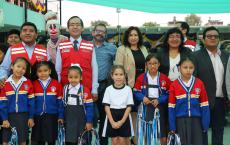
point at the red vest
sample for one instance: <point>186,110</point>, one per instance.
<point>39,53</point>
<point>190,44</point>
<point>83,57</point>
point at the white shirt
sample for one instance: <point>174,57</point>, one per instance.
<point>73,90</point>
<point>118,98</point>
<point>218,70</point>
<point>45,82</point>
<point>188,83</point>
<point>22,79</point>
<point>153,92</point>
<point>173,68</point>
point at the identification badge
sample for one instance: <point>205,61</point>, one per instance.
<point>66,50</point>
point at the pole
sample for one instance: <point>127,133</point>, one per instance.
<point>25,10</point>
<point>118,26</point>
<point>46,5</point>
<point>60,13</point>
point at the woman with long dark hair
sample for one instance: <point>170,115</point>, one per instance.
<point>132,56</point>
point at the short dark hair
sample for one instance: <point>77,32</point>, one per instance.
<point>38,64</point>
<point>3,47</point>
<point>82,24</point>
<point>150,56</point>
<point>126,36</point>
<point>100,24</point>
<point>210,29</point>
<point>29,24</point>
<point>184,25</point>
<point>171,31</point>
<point>13,31</point>
<point>187,58</point>
<point>28,67</point>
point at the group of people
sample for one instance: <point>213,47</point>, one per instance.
<point>75,82</point>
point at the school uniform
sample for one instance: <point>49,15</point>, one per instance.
<point>78,104</point>
<point>156,88</point>
<point>17,106</point>
<point>189,113</point>
<point>49,108</point>
<point>118,99</point>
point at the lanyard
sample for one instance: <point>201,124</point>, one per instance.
<point>148,130</point>
<point>61,134</point>
<point>14,137</point>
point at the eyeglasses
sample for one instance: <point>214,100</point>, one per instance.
<point>174,36</point>
<point>99,31</point>
<point>75,24</point>
<point>212,36</point>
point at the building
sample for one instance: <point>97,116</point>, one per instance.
<point>13,14</point>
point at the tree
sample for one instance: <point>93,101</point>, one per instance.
<point>93,23</point>
<point>193,20</point>
<point>150,24</point>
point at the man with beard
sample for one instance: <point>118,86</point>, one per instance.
<point>105,54</point>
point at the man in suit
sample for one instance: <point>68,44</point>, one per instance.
<point>211,65</point>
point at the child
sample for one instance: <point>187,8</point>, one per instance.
<point>152,89</point>
<point>3,49</point>
<point>188,105</point>
<point>49,109</point>
<point>78,106</point>
<point>17,102</point>
<point>118,100</point>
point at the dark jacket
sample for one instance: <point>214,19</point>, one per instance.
<point>204,70</point>
<point>163,56</point>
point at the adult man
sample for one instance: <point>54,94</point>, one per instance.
<point>227,80</point>
<point>27,48</point>
<point>77,51</point>
<point>210,67</point>
<point>105,54</point>
<point>13,37</point>
<point>184,27</point>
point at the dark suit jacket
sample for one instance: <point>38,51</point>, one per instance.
<point>204,70</point>
<point>164,59</point>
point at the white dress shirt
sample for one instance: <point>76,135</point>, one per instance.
<point>218,70</point>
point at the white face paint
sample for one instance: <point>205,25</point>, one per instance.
<point>53,28</point>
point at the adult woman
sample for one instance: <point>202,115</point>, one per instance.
<point>170,54</point>
<point>132,56</point>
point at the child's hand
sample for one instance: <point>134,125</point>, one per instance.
<point>155,103</point>
<point>2,83</point>
<point>30,123</point>
<point>88,126</point>
<point>146,101</point>
<point>115,125</point>
<point>60,121</point>
<point>95,97</point>
<point>120,123</point>
<point>5,124</point>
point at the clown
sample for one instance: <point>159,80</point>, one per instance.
<point>53,29</point>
